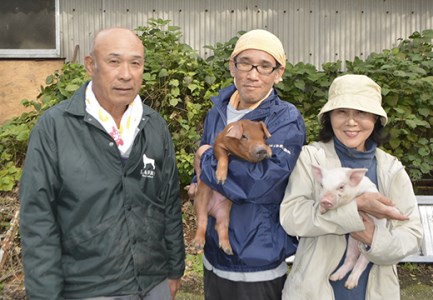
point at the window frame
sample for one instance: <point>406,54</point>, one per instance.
<point>38,53</point>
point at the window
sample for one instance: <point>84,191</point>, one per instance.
<point>29,28</point>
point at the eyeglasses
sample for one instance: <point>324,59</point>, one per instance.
<point>246,67</point>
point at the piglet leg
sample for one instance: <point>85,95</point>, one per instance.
<point>352,255</point>
<point>360,266</point>
<point>220,208</point>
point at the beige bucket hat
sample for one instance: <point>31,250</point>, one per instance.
<point>260,39</point>
<point>355,92</point>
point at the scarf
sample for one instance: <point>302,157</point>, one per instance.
<point>125,135</point>
<point>352,158</point>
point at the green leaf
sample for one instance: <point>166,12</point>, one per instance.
<point>163,73</point>
<point>174,82</point>
<point>300,84</point>
<point>175,92</point>
<point>424,111</point>
<point>174,101</point>
<point>426,168</point>
<point>49,80</point>
<point>72,87</point>
<point>192,87</point>
<point>424,151</point>
<point>394,143</point>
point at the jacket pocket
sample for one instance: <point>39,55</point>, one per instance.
<point>84,242</point>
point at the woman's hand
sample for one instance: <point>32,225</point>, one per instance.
<point>365,236</point>
<point>379,206</point>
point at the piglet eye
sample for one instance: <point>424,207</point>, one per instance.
<point>341,187</point>
<point>244,137</point>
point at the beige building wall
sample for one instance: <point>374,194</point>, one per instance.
<point>22,79</point>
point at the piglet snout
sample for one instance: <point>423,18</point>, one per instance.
<point>326,204</point>
<point>262,152</point>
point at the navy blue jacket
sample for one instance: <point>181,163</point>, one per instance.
<point>256,189</point>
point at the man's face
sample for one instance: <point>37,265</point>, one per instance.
<point>253,86</point>
<point>116,68</point>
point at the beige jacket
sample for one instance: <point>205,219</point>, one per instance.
<point>322,236</point>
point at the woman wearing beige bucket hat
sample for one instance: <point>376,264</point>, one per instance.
<point>352,129</point>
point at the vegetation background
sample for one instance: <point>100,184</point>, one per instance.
<point>179,84</point>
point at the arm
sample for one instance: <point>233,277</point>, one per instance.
<point>173,214</point>
<point>379,206</point>
<point>173,285</point>
<point>40,235</point>
<point>398,239</point>
<point>265,181</point>
<point>299,213</point>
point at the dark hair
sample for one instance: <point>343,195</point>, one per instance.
<point>327,133</point>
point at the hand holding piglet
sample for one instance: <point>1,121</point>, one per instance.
<point>379,206</point>
<point>365,236</point>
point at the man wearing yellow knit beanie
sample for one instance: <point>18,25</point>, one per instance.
<point>256,269</point>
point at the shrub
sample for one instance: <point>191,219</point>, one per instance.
<point>178,83</point>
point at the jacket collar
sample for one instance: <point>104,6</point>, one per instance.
<point>77,104</point>
<point>222,100</point>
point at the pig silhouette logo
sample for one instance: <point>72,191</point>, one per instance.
<point>148,161</point>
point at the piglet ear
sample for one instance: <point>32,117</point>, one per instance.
<point>317,172</point>
<point>265,130</point>
<point>355,176</point>
<point>235,131</point>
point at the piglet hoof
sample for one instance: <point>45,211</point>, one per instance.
<point>351,283</point>
<point>335,277</point>
<point>198,244</point>
<point>227,249</point>
<point>221,177</point>
<point>220,181</point>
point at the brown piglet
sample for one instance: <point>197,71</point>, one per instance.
<point>245,139</point>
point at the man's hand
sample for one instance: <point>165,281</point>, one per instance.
<point>379,206</point>
<point>365,236</point>
<point>174,285</point>
<point>191,189</point>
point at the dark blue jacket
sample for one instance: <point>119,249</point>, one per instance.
<point>257,238</point>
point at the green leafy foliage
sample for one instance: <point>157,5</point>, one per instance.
<point>178,83</point>
<point>307,89</point>
<point>405,74</point>
<point>15,133</point>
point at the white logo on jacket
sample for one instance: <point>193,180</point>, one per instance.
<point>147,160</point>
<point>148,167</point>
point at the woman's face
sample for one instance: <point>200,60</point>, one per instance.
<point>352,127</point>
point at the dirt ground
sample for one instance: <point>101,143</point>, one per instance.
<point>416,279</point>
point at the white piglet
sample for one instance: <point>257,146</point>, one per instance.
<point>339,186</point>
